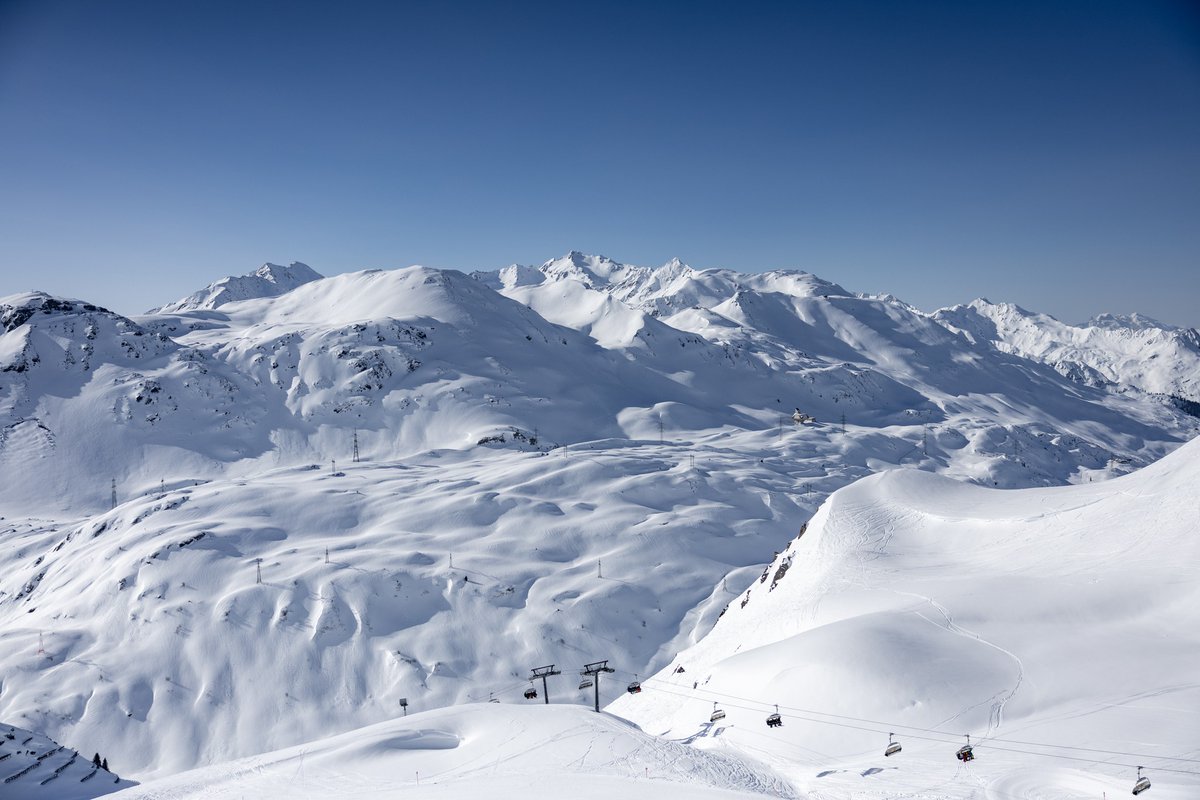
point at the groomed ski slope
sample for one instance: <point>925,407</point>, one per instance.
<point>1059,627</point>
<point>486,750</point>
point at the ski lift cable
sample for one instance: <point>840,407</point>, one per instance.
<point>990,744</point>
<point>894,725</point>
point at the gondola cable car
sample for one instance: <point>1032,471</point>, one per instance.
<point>892,747</point>
<point>965,753</point>
<point>775,721</point>
<point>634,687</point>
<point>717,714</point>
<point>1142,783</point>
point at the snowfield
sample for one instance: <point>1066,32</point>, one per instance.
<point>588,460</point>
<point>481,751</point>
<point>1058,627</point>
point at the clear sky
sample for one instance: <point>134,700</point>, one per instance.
<point>1045,153</point>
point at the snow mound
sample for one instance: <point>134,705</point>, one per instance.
<point>481,751</point>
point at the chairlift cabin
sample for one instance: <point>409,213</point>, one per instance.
<point>634,687</point>
<point>892,747</point>
<point>1142,783</point>
<point>965,753</point>
<point>775,721</point>
<point>531,693</point>
<point>717,714</point>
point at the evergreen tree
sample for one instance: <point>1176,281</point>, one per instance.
<point>104,765</point>
<point>96,760</point>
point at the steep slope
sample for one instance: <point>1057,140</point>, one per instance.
<point>269,280</point>
<point>34,767</point>
<point>1133,352</point>
<point>1058,627</point>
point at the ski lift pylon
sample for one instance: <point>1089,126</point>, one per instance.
<point>965,753</point>
<point>717,714</point>
<point>1142,783</point>
<point>775,721</point>
<point>892,747</point>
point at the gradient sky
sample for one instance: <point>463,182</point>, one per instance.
<point>1045,153</point>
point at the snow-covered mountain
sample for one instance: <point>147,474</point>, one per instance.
<point>1124,352</point>
<point>556,465</point>
<point>1058,627</point>
<point>269,280</point>
<point>421,359</point>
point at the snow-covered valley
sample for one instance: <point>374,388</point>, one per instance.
<point>587,461</point>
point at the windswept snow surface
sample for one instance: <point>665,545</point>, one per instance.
<point>442,581</point>
<point>486,750</point>
<point>1058,627</point>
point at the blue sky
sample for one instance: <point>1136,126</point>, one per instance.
<point>1045,153</point>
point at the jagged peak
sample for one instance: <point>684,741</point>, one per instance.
<point>295,271</point>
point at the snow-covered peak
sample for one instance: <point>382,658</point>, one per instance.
<point>1134,321</point>
<point>269,280</point>
<point>1130,352</point>
<point>410,293</point>
<point>511,277</point>
<point>592,271</point>
<point>68,336</point>
<point>17,309</point>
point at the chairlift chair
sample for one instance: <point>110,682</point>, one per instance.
<point>965,753</point>
<point>892,747</point>
<point>775,721</point>
<point>531,693</point>
<point>586,683</point>
<point>1142,783</point>
<point>634,688</point>
<point>717,714</point>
